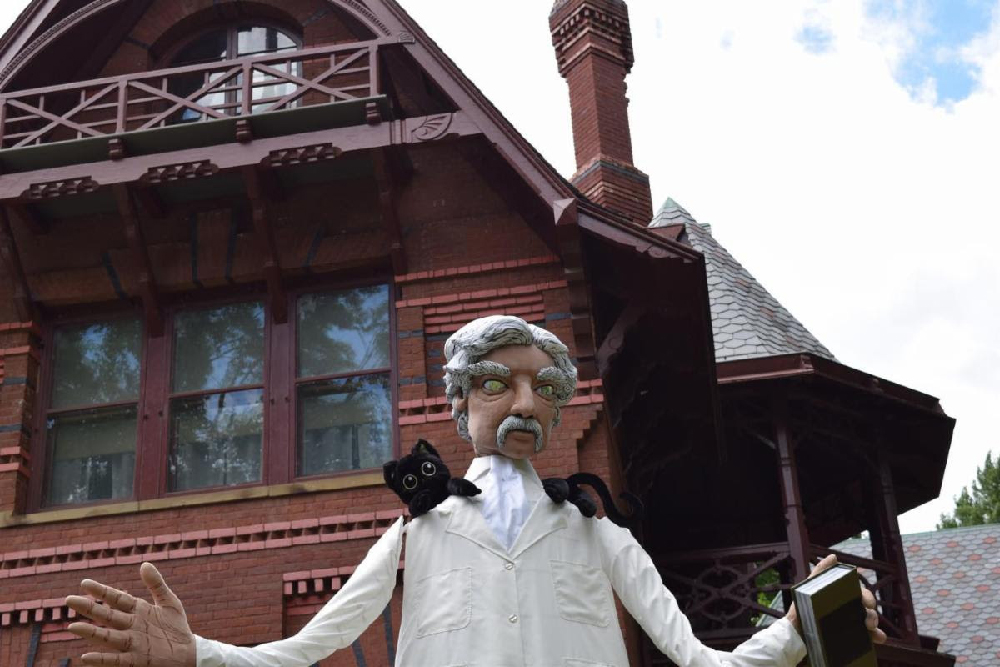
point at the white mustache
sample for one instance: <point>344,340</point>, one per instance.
<point>515,423</point>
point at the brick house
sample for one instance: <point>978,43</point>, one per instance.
<point>233,239</point>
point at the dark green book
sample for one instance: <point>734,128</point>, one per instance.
<point>832,618</point>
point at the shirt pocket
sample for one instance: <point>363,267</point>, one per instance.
<point>576,662</point>
<point>583,594</point>
<point>444,601</point>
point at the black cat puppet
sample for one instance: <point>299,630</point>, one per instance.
<point>561,490</point>
<point>422,480</point>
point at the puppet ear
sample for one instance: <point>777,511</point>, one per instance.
<point>389,472</point>
<point>424,447</point>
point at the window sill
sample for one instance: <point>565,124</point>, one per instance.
<point>374,478</point>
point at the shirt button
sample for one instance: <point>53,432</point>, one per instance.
<point>508,566</point>
<point>512,618</point>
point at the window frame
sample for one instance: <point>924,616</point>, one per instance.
<point>232,29</point>
<point>280,393</point>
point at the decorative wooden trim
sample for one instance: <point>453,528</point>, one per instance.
<point>290,157</point>
<point>345,139</point>
<point>178,172</point>
<point>11,261</point>
<point>140,254</point>
<point>385,178</point>
<point>483,295</point>
<point>39,44</point>
<point>265,237</point>
<point>63,188</point>
<point>432,128</point>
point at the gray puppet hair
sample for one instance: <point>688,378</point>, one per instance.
<point>478,338</point>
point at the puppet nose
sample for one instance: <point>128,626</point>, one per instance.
<point>524,401</point>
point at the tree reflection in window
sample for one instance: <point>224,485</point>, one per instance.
<point>91,421</point>
<point>217,411</point>
<point>344,399</point>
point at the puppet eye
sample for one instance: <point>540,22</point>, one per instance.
<point>410,482</point>
<point>492,386</point>
<point>546,390</point>
<point>428,469</point>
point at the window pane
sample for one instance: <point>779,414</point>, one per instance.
<point>343,332</point>
<point>207,48</point>
<point>93,456</point>
<point>216,440</point>
<point>259,40</point>
<point>344,425</point>
<point>219,348</point>
<point>97,363</point>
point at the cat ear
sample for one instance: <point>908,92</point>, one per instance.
<point>424,447</point>
<point>389,472</point>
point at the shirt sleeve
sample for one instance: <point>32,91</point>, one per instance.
<point>638,584</point>
<point>335,626</point>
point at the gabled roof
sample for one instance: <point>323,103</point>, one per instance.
<point>747,322</point>
<point>955,579</point>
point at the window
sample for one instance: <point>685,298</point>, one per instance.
<point>217,397</point>
<point>213,380</point>
<point>229,43</point>
<point>343,381</point>
<point>91,422</point>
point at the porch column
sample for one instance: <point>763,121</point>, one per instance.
<point>795,521</point>
<point>887,546</point>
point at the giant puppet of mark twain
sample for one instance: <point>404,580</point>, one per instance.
<point>504,579</point>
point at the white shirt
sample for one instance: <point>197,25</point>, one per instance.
<point>543,602</point>
<point>504,502</point>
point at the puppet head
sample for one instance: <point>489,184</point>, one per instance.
<point>506,378</point>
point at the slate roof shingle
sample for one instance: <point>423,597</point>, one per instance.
<point>955,581</point>
<point>747,322</point>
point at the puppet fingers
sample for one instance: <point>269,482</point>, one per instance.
<point>867,597</point>
<point>162,595</point>
<point>101,613</point>
<point>112,660</point>
<point>823,565</point>
<point>120,600</point>
<point>116,639</point>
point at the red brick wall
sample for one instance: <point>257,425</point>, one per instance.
<point>468,255</point>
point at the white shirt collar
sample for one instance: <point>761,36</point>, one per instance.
<point>481,466</point>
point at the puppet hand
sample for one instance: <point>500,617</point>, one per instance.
<point>867,599</point>
<point>139,634</point>
<point>458,486</point>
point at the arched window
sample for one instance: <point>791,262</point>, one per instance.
<point>229,43</point>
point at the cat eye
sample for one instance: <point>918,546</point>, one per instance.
<point>410,482</point>
<point>428,469</point>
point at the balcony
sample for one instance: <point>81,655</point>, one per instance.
<point>190,107</point>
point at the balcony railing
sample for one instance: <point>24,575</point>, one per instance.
<point>182,95</point>
<point>724,592</point>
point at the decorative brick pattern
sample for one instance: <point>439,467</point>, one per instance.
<point>448,313</point>
<point>193,544</point>
<point>477,269</point>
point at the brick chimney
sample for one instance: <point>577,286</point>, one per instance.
<point>593,42</point>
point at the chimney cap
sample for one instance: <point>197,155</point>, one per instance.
<point>559,4</point>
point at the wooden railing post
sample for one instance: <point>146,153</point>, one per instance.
<point>887,545</point>
<point>795,521</point>
<point>122,109</point>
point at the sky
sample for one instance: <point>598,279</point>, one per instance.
<point>846,152</point>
